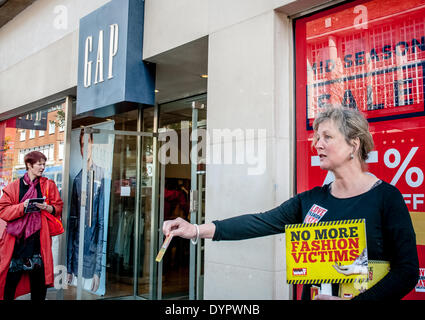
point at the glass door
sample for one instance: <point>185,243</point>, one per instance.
<point>114,199</point>
<point>181,153</point>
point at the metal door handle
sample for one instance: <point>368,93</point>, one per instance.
<point>193,201</point>
<point>91,198</point>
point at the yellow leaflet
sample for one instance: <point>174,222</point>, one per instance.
<point>163,248</point>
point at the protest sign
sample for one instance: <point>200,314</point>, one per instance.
<point>326,252</point>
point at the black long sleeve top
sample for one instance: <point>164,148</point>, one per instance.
<point>389,231</point>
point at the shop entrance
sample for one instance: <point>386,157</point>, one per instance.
<point>126,191</point>
<point>181,154</point>
<point>112,193</point>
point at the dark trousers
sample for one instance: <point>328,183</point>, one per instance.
<point>37,285</point>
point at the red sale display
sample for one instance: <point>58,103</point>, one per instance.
<point>368,55</point>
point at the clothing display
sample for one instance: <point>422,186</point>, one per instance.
<point>94,234</point>
<point>389,231</point>
<point>124,239</point>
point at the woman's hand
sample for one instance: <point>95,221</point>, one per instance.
<point>351,269</point>
<point>26,203</point>
<point>44,206</point>
<point>179,227</point>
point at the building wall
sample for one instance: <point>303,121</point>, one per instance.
<point>39,51</point>
<point>169,24</point>
<point>244,91</point>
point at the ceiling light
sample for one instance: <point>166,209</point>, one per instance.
<point>156,90</point>
<point>205,76</point>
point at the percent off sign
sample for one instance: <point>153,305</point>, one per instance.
<point>414,176</point>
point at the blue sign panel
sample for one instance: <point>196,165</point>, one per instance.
<point>111,71</point>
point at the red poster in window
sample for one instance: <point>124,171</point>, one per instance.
<point>368,55</point>
<point>7,141</point>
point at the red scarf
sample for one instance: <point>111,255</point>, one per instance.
<point>30,223</point>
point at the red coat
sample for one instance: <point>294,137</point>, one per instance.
<point>11,209</point>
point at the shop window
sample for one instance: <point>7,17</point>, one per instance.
<point>368,55</point>
<point>58,180</point>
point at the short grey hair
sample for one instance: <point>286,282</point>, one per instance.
<point>351,123</point>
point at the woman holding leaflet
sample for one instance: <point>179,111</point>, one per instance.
<point>343,141</point>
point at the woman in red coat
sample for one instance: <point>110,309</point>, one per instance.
<point>26,261</point>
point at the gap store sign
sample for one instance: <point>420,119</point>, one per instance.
<point>111,72</point>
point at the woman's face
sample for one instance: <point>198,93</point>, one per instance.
<point>331,146</point>
<point>37,168</point>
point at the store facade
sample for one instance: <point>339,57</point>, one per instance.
<point>200,110</point>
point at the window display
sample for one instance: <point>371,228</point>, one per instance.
<point>368,55</point>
